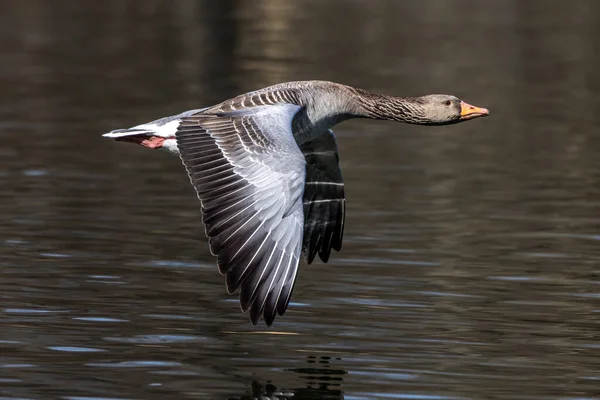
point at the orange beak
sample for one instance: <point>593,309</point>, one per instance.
<point>468,111</point>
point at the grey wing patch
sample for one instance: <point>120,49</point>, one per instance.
<point>258,98</point>
<point>249,175</point>
<point>166,120</point>
<point>324,199</point>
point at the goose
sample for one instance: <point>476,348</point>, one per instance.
<point>264,165</point>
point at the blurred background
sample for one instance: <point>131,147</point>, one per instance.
<point>471,261</point>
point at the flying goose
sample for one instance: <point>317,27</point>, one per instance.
<point>265,168</point>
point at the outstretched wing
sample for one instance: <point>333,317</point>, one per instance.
<point>324,199</point>
<point>249,175</point>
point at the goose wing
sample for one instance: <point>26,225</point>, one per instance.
<point>324,199</point>
<point>249,175</point>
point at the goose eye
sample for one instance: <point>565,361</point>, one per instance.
<point>447,102</point>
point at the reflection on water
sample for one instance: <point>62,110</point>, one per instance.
<point>470,265</point>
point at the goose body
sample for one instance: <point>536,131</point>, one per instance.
<point>265,167</point>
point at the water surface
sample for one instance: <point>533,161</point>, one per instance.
<point>470,267</point>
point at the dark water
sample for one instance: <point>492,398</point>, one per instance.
<point>471,262</point>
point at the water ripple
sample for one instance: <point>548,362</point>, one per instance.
<point>99,319</point>
<point>73,349</point>
<point>156,339</point>
<point>135,364</point>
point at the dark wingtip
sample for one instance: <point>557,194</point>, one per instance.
<point>231,283</point>
<point>253,321</point>
<point>324,254</point>
<point>310,256</point>
<point>269,314</point>
<point>245,299</point>
<point>269,318</point>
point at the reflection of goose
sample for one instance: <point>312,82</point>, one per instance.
<point>320,380</point>
<point>265,167</point>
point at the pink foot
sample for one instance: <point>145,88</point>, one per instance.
<point>153,142</point>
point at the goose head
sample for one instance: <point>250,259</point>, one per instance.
<point>442,109</point>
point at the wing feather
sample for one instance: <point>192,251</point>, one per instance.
<point>249,175</point>
<point>324,198</point>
